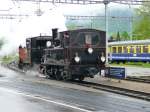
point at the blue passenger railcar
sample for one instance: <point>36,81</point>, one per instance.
<point>136,51</point>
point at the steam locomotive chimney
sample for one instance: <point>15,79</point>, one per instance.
<point>54,33</point>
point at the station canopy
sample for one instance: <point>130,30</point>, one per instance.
<point>84,2</point>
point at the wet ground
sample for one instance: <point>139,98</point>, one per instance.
<point>29,93</point>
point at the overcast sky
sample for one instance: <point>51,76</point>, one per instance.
<point>17,30</point>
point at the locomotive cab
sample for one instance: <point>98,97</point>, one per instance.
<point>86,49</point>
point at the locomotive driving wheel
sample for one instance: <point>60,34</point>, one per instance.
<point>81,78</point>
<point>58,75</point>
<point>64,75</point>
<point>46,72</point>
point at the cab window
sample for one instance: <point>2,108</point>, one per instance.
<point>87,38</point>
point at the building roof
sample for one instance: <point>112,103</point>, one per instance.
<point>41,37</point>
<point>134,42</point>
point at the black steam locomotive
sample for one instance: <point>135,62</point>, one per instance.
<point>73,54</point>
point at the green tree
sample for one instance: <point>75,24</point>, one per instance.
<point>125,36</point>
<point>118,36</point>
<point>111,39</point>
<point>142,27</point>
<point>113,36</point>
<point>71,26</point>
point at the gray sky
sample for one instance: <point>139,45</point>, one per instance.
<point>17,30</point>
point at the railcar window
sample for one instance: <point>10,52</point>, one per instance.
<point>120,49</point>
<point>145,49</point>
<point>125,49</point>
<point>132,49</point>
<point>138,49</point>
<point>114,49</point>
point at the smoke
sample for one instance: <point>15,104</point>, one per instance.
<point>16,32</point>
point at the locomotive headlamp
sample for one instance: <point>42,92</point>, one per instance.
<point>48,44</point>
<point>102,57</point>
<point>90,50</point>
<point>77,58</point>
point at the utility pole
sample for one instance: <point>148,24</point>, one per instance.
<point>131,22</point>
<point>106,2</point>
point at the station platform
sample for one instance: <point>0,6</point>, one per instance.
<point>131,85</point>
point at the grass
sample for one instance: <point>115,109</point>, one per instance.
<point>8,59</point>
<point>132,64</point>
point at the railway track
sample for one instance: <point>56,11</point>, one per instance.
<point>122,91</point>
<point>14,67</point>
<point>144,79</point>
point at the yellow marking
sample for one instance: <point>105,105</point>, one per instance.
<point>108,49</point>
<point>134,49</point>
<point>116,49</point>
<point>141,48</point>
<point>148,48</point>
<point>122,49</point>
<point>128,49</point>
<point>111,49</point>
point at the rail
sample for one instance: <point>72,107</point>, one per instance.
<point>122,91</point>
<point>144,79</point>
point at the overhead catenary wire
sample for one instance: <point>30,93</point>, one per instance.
<point>84,2</point>
<point>12,16</point>
<point>79,17</point>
